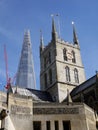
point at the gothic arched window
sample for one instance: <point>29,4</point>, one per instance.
<point>45,79</point>
<point>45,60</point>
<point>67,70</point>
<point>49,56</point>
<point>73,57</point>
<point>50,76</point>
<point>76,76</point>
<point>64,54</point>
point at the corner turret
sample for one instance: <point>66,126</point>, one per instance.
<point>75,38</point>
<point>54,33</point>
<point>41,42</point>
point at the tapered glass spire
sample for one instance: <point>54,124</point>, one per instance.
<point>25,76</point>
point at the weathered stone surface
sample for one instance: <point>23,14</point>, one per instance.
<point>56,111</point>
<point>54,51</point>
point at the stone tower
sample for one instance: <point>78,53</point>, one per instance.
<point>61,65</point>
<point>25,76</point>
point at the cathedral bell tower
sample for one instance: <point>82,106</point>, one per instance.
<point>61,67</point>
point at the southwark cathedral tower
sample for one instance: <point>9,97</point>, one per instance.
<point>61,65</point>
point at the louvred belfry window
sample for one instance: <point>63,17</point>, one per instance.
<point>64,54</point>
<point>73,57</point>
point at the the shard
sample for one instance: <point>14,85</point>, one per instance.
<point>25,77</point>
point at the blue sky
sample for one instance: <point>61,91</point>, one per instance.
<point>19,15</point>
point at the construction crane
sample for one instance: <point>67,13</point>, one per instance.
<point>8,79</point>
<point>3,112</point>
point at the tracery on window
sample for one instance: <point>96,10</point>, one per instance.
<point>50,76</point>
<point>45,79</point>
<point>65,54</point>
<point>45,60</point>
<point>73,57</point>
<point>67,74</point>
<point>76,76</point>
<point>49,56</point>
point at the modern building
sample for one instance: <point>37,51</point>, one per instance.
<point>25,77</point>
<point>50,108</point>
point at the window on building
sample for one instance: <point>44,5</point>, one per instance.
<point>49,55</point>
<point>56,125</point>
<point>55,52</point>
<point>50,76</point>
<point>64,54</point>
<point>37,125</point>
<point>76,76</point>
<point>67,74</point>
<point>66,125</point>
<point>45,60</point>
<point>48,127</point>
<point>45,79</point>
<point>73,57</point>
